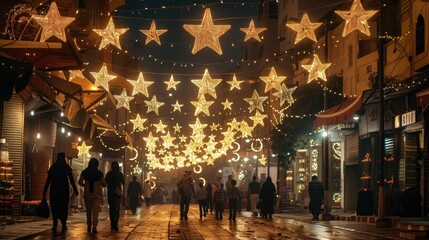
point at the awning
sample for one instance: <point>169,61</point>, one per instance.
<point>422,97</point>
<point>339,113</point>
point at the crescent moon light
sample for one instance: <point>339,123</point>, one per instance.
<point>199,170</point>
<point>137,153</point>
<point>204,181</point>
<point>238,147</point>
<point>260,148</point>
<point>237,158</point>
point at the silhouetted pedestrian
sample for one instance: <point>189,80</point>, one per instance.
<point>134,194</point>
<point>115,181</point>
<point>186,190</point>
<point>233,196</point>
<point>209,200</point>
<point>201,198</point>
<point>315,192</point>
<point>59,177</point>
<point>93,182</point>
<point>253,195</point>
<point>267,196</point>
<point>219,200</point>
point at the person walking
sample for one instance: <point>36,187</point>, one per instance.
<point>115,181</point>
<point>253,195</point>
<point>186,190</point>
<point>209,200</point>
<point>267,196</point>
<point>60,175</point>
<point>93,182</point>
<point>233,196</point>
<point>134,194</point>
<point>219,200</point>
<point>201,198</point>
<point>147,192</point>
<point>315,192</point>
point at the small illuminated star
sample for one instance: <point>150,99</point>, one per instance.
<point>177,128</point>
<point>206,84</point>
<point>214,127</point>
<point>272,80</point>
<point>153,105</point>
<point>258,119</point>
<point>202,106</point>
<point>123,100</point>
<point>356,18</point>
<point>198,127</point>
<point>53,24</point>
<point>110,35</point>
<point>252,31</point>
<point>256,102</point>
<point>177,106</point>
<point>304,29</point>
<point>150,143</point>
<point>140,85</point>
<point>138,123</point>
<point>207,34</point>
<point>263,160</point>
<point>153,34</point>
<point>227,104</point>
<point>160,127</point>
<point>285,95</point>
<point>316,69</point>
<point>102,78</point>
<point>83,150</point>
<point>234,83</point>
<point>183,138</point>
<point>171,84</point>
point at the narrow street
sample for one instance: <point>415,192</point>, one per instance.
<point>162,222</point>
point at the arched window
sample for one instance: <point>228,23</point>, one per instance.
<point>420,35</point>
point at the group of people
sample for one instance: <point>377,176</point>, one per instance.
<point>59,178</point>
<point>262,197</point>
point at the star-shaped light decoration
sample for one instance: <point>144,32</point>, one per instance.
<point>285,95</point>
<point>75,74</point>
<point>53,24</point>
<point>234,125</point>
<point>304,29</point>
<point>138,123</point>
<point>272,80</point>
<point>202,106</point>
<point>256,102</point>
<point>206,84</point>
<point>206,34</point>
<point>316,69</point>
<point>214,127</point>
<point>258,119</point>
<point>177,128</point>
<point>183,139</point>
<point>227,104</point>
<point>123,100</point>
<point>160,127</point>
<point>140,85</point>
<point>168,140</point>
<point>150,142</point>
<point>102,78</point>
<point>356,18</point>
<point>177,106</point>
<point>263,160</point>
<point>153,105</point>
<point>245,129</point>
<point>171,84</point>
<point>153,34</point>
<point>234,83</point>
<point>110,35</point>
<point>252,31</point>
<point>83,150</point>
<point>197,127</point>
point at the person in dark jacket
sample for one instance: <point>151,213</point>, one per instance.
<point>209,200</point>
<point>134,194</point>
<point>315,192</point>
<point>267,195</point>
<point>59,177</point>
<point>115,181</point>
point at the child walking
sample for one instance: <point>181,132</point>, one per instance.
<point>201,197</point>
<point>219,199</point>
<point>233,196</point>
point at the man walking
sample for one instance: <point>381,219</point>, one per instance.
<point>253,193</point>
<point>186,191</point>
<point>315,192</point>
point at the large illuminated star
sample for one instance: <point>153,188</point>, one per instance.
<point>153,34</point>
<point>150,143</point>
<point>206,84</point>
<point>102,78</point>
<point>285,95</point>
<point>316,69</point>
<point>304,29</point>
<point>110,35</point>
<point>356,18</point>
<point>245,129</point>
<point>252,31</point>
<point>160,127</point>
<point>227,104</point>
<point>258,119</point>
<point>234,83</point>
<point>153,105</point>
<point>123,100</point>
<point>177,106</point>
<point>198,127</point>
<point>83,149</point>
<point>202,106</point>
<point>168,140</point>
<point>53,24</point>
<point>272,80</point>
<point>255,102</point>
<point>140,85</point>
<point>206,34</point>
<point>171,84</point>
<point>138,123</point>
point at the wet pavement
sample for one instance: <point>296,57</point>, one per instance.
<point>162,222</point>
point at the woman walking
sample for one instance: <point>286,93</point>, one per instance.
<point>267,196</point>
<point>93,182</point>
<point>134,194</point>
<point>114,180</point>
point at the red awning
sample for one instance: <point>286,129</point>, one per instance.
<point>422,97</point>
<point>339,113</point>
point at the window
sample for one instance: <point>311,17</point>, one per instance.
<point>420,35</point>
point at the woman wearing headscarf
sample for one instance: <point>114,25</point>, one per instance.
<point>93,182</point>
<point>59,177</point>
<point>267,196</point>
<point>134,194</point>
<point>114,180</point>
